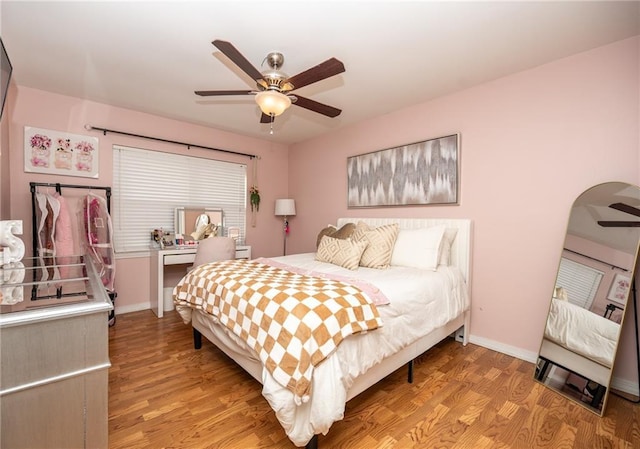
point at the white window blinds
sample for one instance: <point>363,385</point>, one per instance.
<point>580,281</point>
<point>149,185</point>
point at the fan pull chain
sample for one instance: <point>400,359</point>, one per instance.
<point>272,117</point>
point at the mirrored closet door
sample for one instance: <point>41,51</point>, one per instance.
<point>590,295</point>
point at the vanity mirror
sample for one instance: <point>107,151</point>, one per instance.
<point>189,219</point>
<point>589,297</point>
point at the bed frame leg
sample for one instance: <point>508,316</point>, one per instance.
<point>410,372</point>
<point>197,339</point>
<point>313,443</point>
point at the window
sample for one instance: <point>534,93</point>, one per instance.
<point>580,281</point>
<point>149,185</point>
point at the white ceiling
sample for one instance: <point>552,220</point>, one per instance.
<point>151,56</point>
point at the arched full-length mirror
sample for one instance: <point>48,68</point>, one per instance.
<point>590,294</point>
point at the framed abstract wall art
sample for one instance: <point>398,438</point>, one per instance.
<point>60,153</point>
<point>422,173</point>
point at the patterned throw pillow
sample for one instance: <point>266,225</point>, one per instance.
<point>344,253</point>
<point>343,233</point>
<point>379,241</point>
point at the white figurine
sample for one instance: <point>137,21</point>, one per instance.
<point>13,246</point>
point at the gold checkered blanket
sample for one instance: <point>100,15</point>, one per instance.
<point>292,321</point>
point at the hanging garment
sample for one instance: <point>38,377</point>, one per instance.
<point>42,215</point>
<point>46,215</point>
<point>99,237</point>
<point>63,239</point>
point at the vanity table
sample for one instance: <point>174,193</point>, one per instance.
<point>54,354</point>
<point>160,258</point>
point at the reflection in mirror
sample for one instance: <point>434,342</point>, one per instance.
<point>589,297</point>
<point>195,223</point>
<point>202,220</point>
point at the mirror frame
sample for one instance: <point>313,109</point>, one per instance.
<point>553,355</point>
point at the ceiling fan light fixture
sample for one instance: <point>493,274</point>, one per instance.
<point>272,102</point>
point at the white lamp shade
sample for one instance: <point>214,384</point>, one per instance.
<point>272,102</point>
<point>286,207</point>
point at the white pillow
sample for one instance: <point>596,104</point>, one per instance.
<point>418,248</point>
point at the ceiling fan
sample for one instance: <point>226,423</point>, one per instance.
<point>622,207</point>
<point>274,87</point>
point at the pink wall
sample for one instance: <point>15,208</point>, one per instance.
<point>530,144</point>
<point>50,111</point>
<point>4,167</point>
<point>5,186</point>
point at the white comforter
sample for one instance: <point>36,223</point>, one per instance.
<point>420,301</point>
<point>582,331</point>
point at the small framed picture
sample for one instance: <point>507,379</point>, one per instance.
<point>60,153</point>
<point>619,290</point>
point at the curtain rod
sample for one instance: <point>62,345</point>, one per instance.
<point>158,139</point>
<point>597,260</point>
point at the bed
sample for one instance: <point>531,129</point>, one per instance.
<point>425,306</point>
<point>580,341</point>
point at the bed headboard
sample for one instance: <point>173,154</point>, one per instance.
<point>460,249</point>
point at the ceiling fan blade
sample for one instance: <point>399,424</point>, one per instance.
<point>236,57</point>
<point>314,106</point>
<point>619,224</point>
<point>264,118</point>
<point>323,70</point>
<point>214,93</point>
<point>625,208</point>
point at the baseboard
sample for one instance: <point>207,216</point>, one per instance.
<point>513,351</point>
<point>617,383</point>
<point>625,386</point>
<point>131,307</point>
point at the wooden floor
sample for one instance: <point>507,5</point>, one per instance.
<point>165,394</point>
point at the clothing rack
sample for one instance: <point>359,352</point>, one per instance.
<point>58,186</point>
